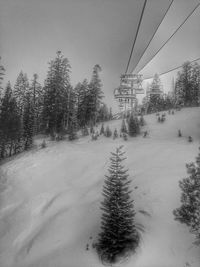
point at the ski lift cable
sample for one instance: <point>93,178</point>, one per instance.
<point>138,27</point>
<point>171,69</point>
<point>190,14</point>
<point>153,35</point>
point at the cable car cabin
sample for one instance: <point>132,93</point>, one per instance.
<point>126,98</point>
<point>156,90</point>
<point>132,81</point>
<point>126,104</point>
<point>130,86</point>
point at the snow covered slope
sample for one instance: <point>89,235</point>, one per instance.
<point>50,209</point>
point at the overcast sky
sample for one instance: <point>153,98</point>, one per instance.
<point>96,31</point>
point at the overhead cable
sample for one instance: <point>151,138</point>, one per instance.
<point>153,35</point>
<point>138,27</point>
<point>190,14</point>
<point>172,69</point>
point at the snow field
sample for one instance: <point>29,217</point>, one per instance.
<point>50,211</point>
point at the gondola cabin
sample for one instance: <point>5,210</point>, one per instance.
<point>125,94</point>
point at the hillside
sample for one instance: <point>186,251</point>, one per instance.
<point>50,208</point>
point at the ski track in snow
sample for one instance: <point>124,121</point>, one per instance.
<point>59,191</point>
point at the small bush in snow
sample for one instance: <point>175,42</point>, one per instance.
<point>142,121</point>
<point>3,181</point>
<point>95,136</point>
<point>43,144</point>
<point>115,134</point>
<point>145,134</point>
<point>85,131</point>
<point>125,136</point>
<point>91,129</point>
<point>102,129</point>
<point>190,139</point>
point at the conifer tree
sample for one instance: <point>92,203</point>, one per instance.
<point>196,84</point>
<point>110,114</point>
<point>85,131</point>
<point>142,121</point>
<point>96,93</point>
<point>82,91</point>
<point>91,129</point>
<point>28,122</point>
<point>108,132</point>
<point>133,126</point>
<point>21,89</point>
<point>123,127</point>
<point>2,72</point>
<point>115,134</point>
<point>73,127</point>
<point>187,85</point>
<point>57,95</point>
<point>179,133</point>
<point>189,211</point>
<point>73,109</point>
<point>102,129</point>
<point>10,122</point>
<point>118,232</point>
<point>36,92</point>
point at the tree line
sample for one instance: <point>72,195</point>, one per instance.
<point>56,108</point>
<point>186,91</point>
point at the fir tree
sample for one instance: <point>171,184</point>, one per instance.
<point>21,89</point>
<point>2,73</point>
<point>96,93</point>
<point>82,91</point>
<point>43,144</point>
<point>73,127</point>
<point>85,131</point>
<point>119,234</point>
<point>142,121</point>
<point>102,129</point>
<point>37,95</point>
<point>10,130</point>
<point>190,139</point>
<point>187,85</point>
<point>103,113</point>
<point>108,132</point>
<point>125,136</point>
<point>57,96</point>
<point>91,129</point>
<point>28,122</point>
<point>123,127</point>
<point>110,114</point>
<point>189,211</point>
<point>133,126</point>
<point>115,134</point>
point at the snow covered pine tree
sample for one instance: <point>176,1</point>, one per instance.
<point>10,122</point>
<point>133,126</point>
<point>189,212</point>
<point>108,132</point>
<point>123,127</point>
<point>102,131</point>
<point>28,122</point>
<point>119,235</point>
